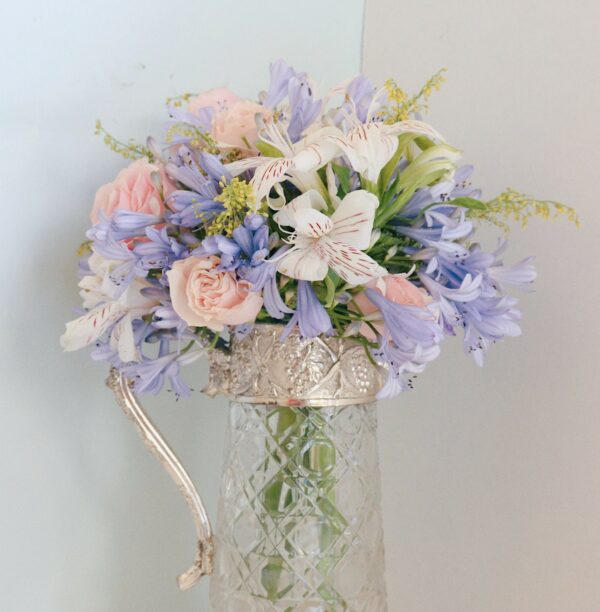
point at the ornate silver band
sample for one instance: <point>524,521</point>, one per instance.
<point>261,369</point>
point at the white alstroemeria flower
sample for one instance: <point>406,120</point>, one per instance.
<point>320,242</point>
<point>98,286</point>
<point>367,147</point>
<point>105,311</point>
<point>298,163</point>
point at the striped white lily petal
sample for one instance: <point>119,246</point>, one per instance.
<point>279,200</point>
<point>312,223</point>
<point>303,263</point>
<point>368,148</point>
<point>89,327</point>
<point>312,199</point>
<point>267,175</point>
<point>412,126</point>
<point>316,154</point>
<point>122,339</point>
<point>299,163</point>
<point>105,311</point>
<point>350,263</point>
<point>241,165</point>
<point>353,219</point>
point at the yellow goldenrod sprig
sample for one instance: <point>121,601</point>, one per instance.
<point>516,206</point>
<point>402,106</point>
<point>198,138</point>
<point>130,150</point>
<point>179,100</point>
<point>238,200</point>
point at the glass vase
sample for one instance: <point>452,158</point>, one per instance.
<point>299,519</point>
<point>299,523</point>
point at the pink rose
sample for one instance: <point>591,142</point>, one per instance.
<point>205,297</point>
<point>219,99</point>
<point>394,287</point>
<point>234,120</point>
<point>236,128</point>
<point>134,190</point>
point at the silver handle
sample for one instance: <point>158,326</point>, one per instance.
<point>203,563</point>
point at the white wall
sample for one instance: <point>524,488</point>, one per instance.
<point>492,477</point>
<point>89,522</point>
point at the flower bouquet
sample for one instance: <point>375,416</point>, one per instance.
<point>343,217</point>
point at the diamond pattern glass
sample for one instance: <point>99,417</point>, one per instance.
<point>299,523</point>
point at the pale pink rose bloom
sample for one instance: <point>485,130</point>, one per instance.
<point>394,287</point>
<point>236,128</point>
<point>134,190</point>
<point>219,99</point>
<point>205,297</point>
<point>234,120</point>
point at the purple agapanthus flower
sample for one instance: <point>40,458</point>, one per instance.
<point>467,282</point>
<point>445,191</point>
<point>149,375</point>
<point>441,230</point>
<point>310,316</point>
<point>123,224</point>
<point>281,73</point>
<point>410,339</point>
<point>126,266</point>
<point>159,250</point>
<point>360,92</point>
<point>407,325</point>
<point>402,366</point>
<point>190,209</point>
<point>186,167</point>
<point>247,247</point>
<point>165,317</point>
<point>202,173</point>
<point>303,108</point>
<point>263,277</point>
<point>201,119</point>
<point>152,249</point>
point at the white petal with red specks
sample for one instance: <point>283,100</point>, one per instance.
<point>353,219</point>
<point>412,126</point>
<point>122,339</point>
<point>350,263</point>
<point>315,155</point>
<point>287,215</point>
<point>367,147</point>
<point>241,165</point>
<point>312,223</point>
<point>89,327</point>
<point>303,263</point>
<point>267,175</point>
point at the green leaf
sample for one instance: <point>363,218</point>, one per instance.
<point>331,285</point>
<point>424,143</point>
<point>404,142</point>
<point>343,175</point>
<point>422,172</point>
<point>470,203</point>
<point>267,149</point>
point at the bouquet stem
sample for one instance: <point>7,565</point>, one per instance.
<point>307,458</point>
